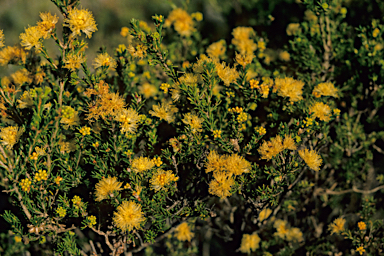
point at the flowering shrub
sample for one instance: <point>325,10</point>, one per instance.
<point>171,144</point>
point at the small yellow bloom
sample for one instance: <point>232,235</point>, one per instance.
<point>321,111</point>
<point>362,225</point>
<point>360,250</point>
<point>58,179</point>
<point>104,60</point>
<point>10,136</point>
<point>165,87</point>
<point>311,158</point>
<point>289,87</point>
<point>284,56</point>
<point>161,179</point>
<point>336,111</point>
<point>157,161</point>
<point>221,184</point>
<point>260,130</point>
<point>198,16</point>
<point>237,165</point>
<point>194,122</point>
<point>216,134</point>
<point>183,232</point>
<point>249,243</point>
<point>337,226</point>
<point>41,175</point>
<point>25,184</point>
<point>107,187</point>
<point>76,200</point>
<point>142,164</point>
<point>47,24</point>
<point>80,20</point>
<point>91,220</point>
<point>85,130</point>
<point>73,61</point>
<point>217,50</point>
<point>164,111</point>
<point>124,31</point>
<point>61,212</point>
<point>292,29</point>
<point>31,38</point>
<point>18,239</point>
<point>1,38</point>
<point>128,216</point>
<point>375,32</point>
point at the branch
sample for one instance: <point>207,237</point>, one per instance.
<point>354,189</point>
<point>106,238</point>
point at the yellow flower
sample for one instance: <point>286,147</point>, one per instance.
<point>142,164</point>
<point>183,232</point>
<point>244,59</point>
<point>281,228</point>
<point>106,187</point>
<point>148,90</point>
<point>61,212</point>
<point>41,175</point>
<point>10,136</point>
<point>25,184</point>
<point>47,24</point>
<point>1,38</point>
<point>18,239</point>
<point>69,117</point>
<point>104,60</point>
<point>264,214</point>
<point>58,179</point>
<point>215,162</point>
<point>321,111</point>
<point>76,200</point>
<point>181,21</point>
<point>157,161</point>
<point>294,235</point>
<point>221,184</point>
<point>73,61</point>
<point>129,119</point>
<point>362,225</point>
<point>216,134</point>
<point>311,158</point>
<point>325,89</point>
<point>249,243</point>
<point>292,29</point>
<point>165,87</point>
<point>21,76</point>
<point>337,226</point>
<point>227,75</point>
<point>260,130</point>
<point>198,16</point>
<point>194,122</point>
<point>128,216</point>
<point>242,40</point>
<point>31,38</point>
<point>164,111</point>
<point>217,50</point>
<point>91,220</point>
<point>237,165</point>
<point>375,32</point>
<point>138,52</point>
<point>15,54</point>
<point>124,31</point>
<point>289,142</point>
<point>161,179</point>
<point>284,56</point>
<point>271,148</point>
<point>80,20</point>
<point>85,130</point>
<point>289,87</point>
<point>360,250</point>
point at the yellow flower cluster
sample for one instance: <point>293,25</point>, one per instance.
<point>183,232</point>
<point>289,87</point>
<point>194,122</point>
<point>182,22</point>
<point>10,136</point>
<point>129,216</point>
<point>362,225</point>
<point>260,130</point>
<point>142,164</point>
<point>311,158</point>
<point>61,212</point>
<point>80,20</point>
<point>217,50</point>
<point>33,35</point>
<point>216,134</point>
<point>106,104</point>
<point>244,59</point>
<point>165,87</point>
<point>26,184</point>
<point>73,61</point>
<point>140,51</point>
<point>41,175</point>
<point>325,89</point>
<point>129,119</point>
<point>337,226</point>
<point>276,145</point>
<point>85,130</point>
<point>69,117</point>
<point>285,232</point>
<point>224,167</point>
<point>58,179</point>
<point>243,41</point>
<point>12,54</point>
<point>292,29</point>
<point>249,243</point>
<point>161,179</point>
<point>157,161</point>
<point>164,111</point>
<point>91,220</point>
<point>227,75</point>
<point>360,250</point>
<point>321,111</point>
<point>76,200</point>
<point>104,60</point>
<point>107,187</point>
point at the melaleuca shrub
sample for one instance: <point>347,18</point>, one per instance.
<point>172,144</point>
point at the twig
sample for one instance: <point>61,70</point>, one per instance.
<point>354,189</point>
<point>106,238</point>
